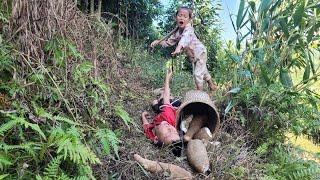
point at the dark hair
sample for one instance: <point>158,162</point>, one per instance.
<point>186,8</point>
<point>175,102</point>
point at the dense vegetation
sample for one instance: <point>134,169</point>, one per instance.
<point>75,75</point>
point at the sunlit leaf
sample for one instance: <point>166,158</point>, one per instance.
<point>228,108</point>
<point>234,90</point>
<point>240,14</point>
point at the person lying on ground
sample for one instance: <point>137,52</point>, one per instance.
<point>162,130</point>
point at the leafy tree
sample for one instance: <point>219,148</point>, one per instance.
<point>132,18</point>
<point>281,39</point>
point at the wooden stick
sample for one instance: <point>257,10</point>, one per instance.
<point>168,35</point>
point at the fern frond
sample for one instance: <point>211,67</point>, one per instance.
<point>85,172</point>
<point>38,177</point>
<point>65,119</point>
<point>4,161</point>
<point>29,147</point>
<point>70,146</point>
<point>14,121</point>
<point>306,173</point>
<point>108,138</point>
<point>52,170</point>
<point>42,113</point>
<point>123,115</point>
<point>35,127</point>
<point>63,177</point>
<point>3,176</point>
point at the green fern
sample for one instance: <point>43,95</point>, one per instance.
<point>85,172</point>
<point>15,121</point>
<point>4,161</point>
<point>123,115</point>
<point>108,138</point>
<point>3,176</point>
<point>99,83</point>
<point>30,147</point>
<point>70,146</point>
<point>52,170</point>
<point>9,125</point>
<point>44,114</point>
<point>312,172</point>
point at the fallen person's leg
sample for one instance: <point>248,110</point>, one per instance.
<point>176,172</point>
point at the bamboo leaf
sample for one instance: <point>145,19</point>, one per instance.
<point>311,32</point>
<point>275,5</point>
<point>240,14</point>
<point>306,74</point>
<point>252,6</point>
<point>264,6</point>
<point>285,78</point>
<point>265,24</point>
<point>298,14</point>
<point>293,38</point>
<point>311,62</point>
<point>235,58</point>
<point>284,27</point>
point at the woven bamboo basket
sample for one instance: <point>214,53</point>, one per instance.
<point>199,103</point>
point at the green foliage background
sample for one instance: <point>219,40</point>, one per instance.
<point>64,112</point>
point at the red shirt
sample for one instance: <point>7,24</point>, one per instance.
<point>168,114</point>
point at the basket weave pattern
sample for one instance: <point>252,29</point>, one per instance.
<point>199,101</point>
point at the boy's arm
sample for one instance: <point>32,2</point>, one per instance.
<point>171,41</point>
<point>177,50</point>
<point>184,41</point>
<point>166,93</point>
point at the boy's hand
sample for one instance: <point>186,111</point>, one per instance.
<point>154,43</point>
<point>176,51</point>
